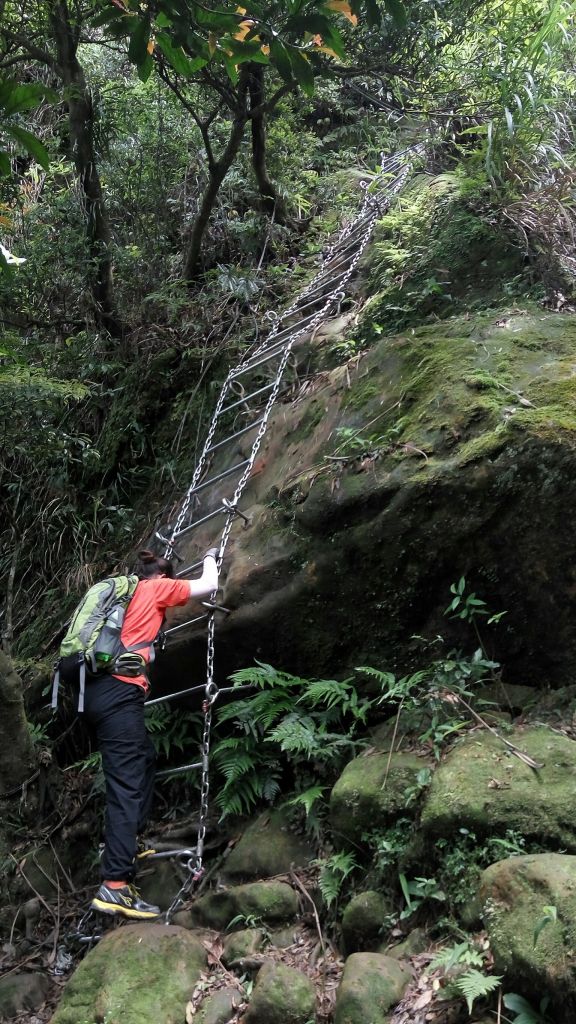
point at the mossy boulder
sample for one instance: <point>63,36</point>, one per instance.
<point>271,903</point>
<point>220,1007</point>
<point>483,787</point>
<point>371,792</point>
<point>138,974</point>
<point>281,995</point>
<point>268,847</point>
<point>415,942</point>
<point>242,944</point>
<point>363,920</point>
<point>515,895</point>
<point>371,985</point>
<point>21,992</point>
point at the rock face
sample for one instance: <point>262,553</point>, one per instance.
<point>138,974</point>
<point>20,992</point>
<point>482,787</point>
<point>281,995</point>
<point>474,422</point>
<point>514,895</point>
<point>371,792</point>
<point>371,984</point>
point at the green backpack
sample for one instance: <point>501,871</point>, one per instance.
<point>92,641</point>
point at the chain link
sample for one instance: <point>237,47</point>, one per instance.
<point>370,211</point>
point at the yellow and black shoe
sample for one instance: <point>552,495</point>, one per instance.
<point>126,902</point>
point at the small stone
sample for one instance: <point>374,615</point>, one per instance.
<point>416,942</point>
<point>371,984</point>
<point>281,995</point>
<point>283,938</point>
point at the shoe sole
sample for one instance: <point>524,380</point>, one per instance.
<point>114,910</point>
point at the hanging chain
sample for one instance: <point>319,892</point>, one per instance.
<point>365,221</point>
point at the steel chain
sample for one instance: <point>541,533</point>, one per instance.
<point>370,211</point>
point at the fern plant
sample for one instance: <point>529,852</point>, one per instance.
<point>334,871</point>
<point>291,725</point>
<point>463,968</point>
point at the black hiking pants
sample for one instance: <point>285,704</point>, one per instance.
<point>115,710</point>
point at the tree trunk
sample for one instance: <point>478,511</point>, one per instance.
<point>81,122</point>
<point>218,169</point>
<point>16,749</point>
<point>272,203</point>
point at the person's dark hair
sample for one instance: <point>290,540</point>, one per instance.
<point>149,565</point>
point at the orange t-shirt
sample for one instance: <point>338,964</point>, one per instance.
<point>145,615</point>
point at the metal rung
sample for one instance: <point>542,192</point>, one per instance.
<point>173,696</point>
<point>219,476</point>
<point>238,433</point>
<point>197,522</point>
<point>246,398</point>
<point>178,771</point>
<point>261,360</point>
<point>189,622</point>
<point>181,854</point>
<point>190,568</point>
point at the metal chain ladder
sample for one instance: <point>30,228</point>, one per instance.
<point>339,263</point>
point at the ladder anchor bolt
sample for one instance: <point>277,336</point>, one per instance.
<point>236,511</point>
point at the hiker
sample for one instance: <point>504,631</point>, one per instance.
<point>114,708</point>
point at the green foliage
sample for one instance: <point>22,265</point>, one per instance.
<point>463,966</point>
<point>417,891</point>
<point>171,730</point>
<point>310,725</point>
<point>334,871</point>
<point>15,100</point>
<point>524,1012</point>
<point>550,916</point>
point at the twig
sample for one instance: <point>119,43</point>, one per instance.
<point>307,895</point>
<point>525,758</point>
<point>396,724</point>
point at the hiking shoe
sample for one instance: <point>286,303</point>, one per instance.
<point>126,902</point>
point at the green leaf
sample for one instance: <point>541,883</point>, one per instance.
<point>14,99</point>
<point>281,60</point>
<point>139,38</point>
<point>110,14</point>
<point>303,71</point>
<point>177,58</point>
<point>5,166</point>
<point>398,12</point>
<point>145,70</point>
<point>30,143</point>
<point>475,984</point>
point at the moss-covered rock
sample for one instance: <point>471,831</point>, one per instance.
<point>281,995</point>
<point>22,991</point>
<point>371,984</point>
<point>242,944</point>
<point>371,792</point>
<point>363,919</point>
<point>416,942</point>
<point>475,424</point>
<point>515,894</point>
<point>219,1007</point>
<point>270,903</point>
<point>483,787</point>
<point>139,974</point>
<point>268,847</point>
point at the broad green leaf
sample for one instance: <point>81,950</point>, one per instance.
<point>30,143</point>
<point>139,37</point>
<point>303,71</point>
<point>23,97</point>
<point>110,14</point>
<point>174,55</point>
<point>281,60</point>
<point>5,166</point>
<point>145,70</point>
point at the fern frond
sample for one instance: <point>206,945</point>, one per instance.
<point>474,984</point>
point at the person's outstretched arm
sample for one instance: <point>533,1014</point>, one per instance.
<point>208,581</point>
